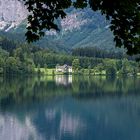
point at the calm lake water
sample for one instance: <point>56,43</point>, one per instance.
<point>70,108</point>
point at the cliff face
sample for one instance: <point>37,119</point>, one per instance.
<point>80,28</point>
<point>12,13</point>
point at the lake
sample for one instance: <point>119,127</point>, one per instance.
<point>69,108</point>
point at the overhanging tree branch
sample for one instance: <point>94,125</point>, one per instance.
<point>123,14</point>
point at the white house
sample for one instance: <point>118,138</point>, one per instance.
<point>64,68</point>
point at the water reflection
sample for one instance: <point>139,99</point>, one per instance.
<point>70,125</point>
<point>12,129</point>
<point>63,80</point>
<point>71,108</point>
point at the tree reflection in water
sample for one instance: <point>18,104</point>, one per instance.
<point>62,108</point>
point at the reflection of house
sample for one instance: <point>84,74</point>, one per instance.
<point>63,79</point>
<point>64,68</point>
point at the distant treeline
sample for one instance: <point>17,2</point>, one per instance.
<point>16,58</point>
<point>100,53</point>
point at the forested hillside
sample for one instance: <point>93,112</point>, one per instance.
<point>81,28</point>
<point>22,58</point>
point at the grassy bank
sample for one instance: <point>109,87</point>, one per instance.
<point>92,72</point>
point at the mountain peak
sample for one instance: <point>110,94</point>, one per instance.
<point>12,13</point>
<point>81,27</point>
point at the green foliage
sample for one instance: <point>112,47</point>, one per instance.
<point>7,45</point>
<point>75,65</point>
<point>124,16</point>
<point>25,59</point>
<point>96,52</point>
<point>119,65</point>
<point>99,67</point>
<point>15,60</point>
<point>111,71</point>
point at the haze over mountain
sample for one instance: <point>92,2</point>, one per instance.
<point>81,28</point>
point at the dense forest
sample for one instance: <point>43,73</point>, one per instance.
<point>97,52</point>
<point>16,58</point>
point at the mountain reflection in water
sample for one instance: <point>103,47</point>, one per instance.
<point>69,108</point>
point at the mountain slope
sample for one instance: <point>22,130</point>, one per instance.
<point>12,13</point>
<point>81,28</point>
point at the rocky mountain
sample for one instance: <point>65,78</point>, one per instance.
<point>12,13</point>
<point>79,29</point>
